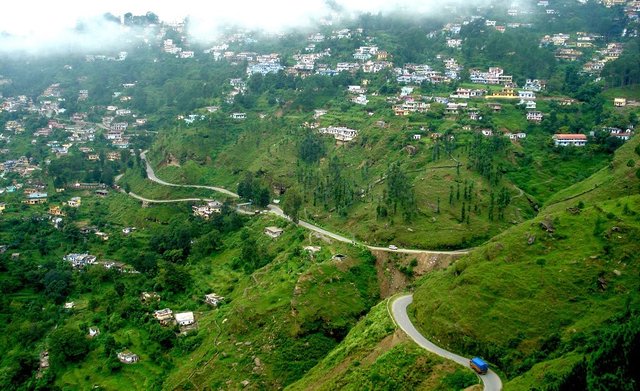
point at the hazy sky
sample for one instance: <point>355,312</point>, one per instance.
<point>45,24</point>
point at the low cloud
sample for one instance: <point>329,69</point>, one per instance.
<point>38,27</point>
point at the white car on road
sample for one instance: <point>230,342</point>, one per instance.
<point>393,247</point>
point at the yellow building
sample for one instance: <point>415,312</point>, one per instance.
<point>56,211</point>
<point>505,93</point>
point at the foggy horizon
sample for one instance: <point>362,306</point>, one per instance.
<point>53,28</point>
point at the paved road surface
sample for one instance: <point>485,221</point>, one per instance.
<point>399,311</point>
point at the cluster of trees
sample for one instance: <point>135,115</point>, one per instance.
<point>399,195</point>
<point>483,154</point>
<point>311,148</point>
<point>252,189</point>
<point>626,69</point>
<point>76,168</point>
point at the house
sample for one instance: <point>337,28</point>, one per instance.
<point>128,230</point>
<point>3,206</point>
<point>56,211</point>
<point>496,107</point>
<point>534,85</point>
<point>69,305</point>
<point>93,331</point>
<point>185,318</point>
<point>148,297</point>
<point>340,133</point>
<point>534,116</point>
<point>239,115</point>
<point>102,235</point>
<point>526,95</point>
<point>487,132</point>
<point>213,299</point>
<point>44,360</point>
<point>164,316</point>
<point>113,156</point>
<point>36,198</point>
<point>74,202</point>
<point>102,192</point>
<point>360,100</point>
<point>126,357</point>
<point>619,102</point>
<point>273,232</point>
<point>505,93</point>
<point>93,157</point>
<point>417,136</point>
<point>80,260</point>
<point>624,135</point>
<point>576,140</point>
<point>319,113</point>
<point>356,89</point>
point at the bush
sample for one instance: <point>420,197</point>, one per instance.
<point>460,379</point>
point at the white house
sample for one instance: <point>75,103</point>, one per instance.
<point>534,116</point>
<point>526,95</point>
<point>185,318</point>
<point>273,232</point>
<point>213,299</point>
<point>340,133</point>
<point>563,140</point>
<point>239,115</point>
<point>127,357</point>
<point>74,202</point>
<point>360,100</point>
<point>619,102</point>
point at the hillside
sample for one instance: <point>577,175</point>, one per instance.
<point>441,183</point>
<point>544,292</point>
<point>375,354</point>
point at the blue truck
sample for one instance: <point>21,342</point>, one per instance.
<point>479,365</point>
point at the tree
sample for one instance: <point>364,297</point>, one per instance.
<point>56,285</point>
<point>173,278</point>
<point>292,203</point>
<point>67,345</point>
<point>263,197</point>
<point>311,148</point>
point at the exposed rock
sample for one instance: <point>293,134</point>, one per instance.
<point>531,240</point>
<point>602,282</point>
<point>245,383</point>
<point>411,150</point>
<point>574,211</point>
<point>547,225</point>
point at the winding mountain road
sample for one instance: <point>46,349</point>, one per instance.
<point>151,175</point>
<point>399,306</point>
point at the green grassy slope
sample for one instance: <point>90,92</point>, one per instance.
<point>519,304</point>
<point>272,153</point>
<point>282,319</point>
<point>375,356</point>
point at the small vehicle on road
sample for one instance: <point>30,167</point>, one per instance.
<point>479,365</point>
<point>393,247</point>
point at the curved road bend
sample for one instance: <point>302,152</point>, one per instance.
<point>399,311</point>
<point>278,212</point>
<point>152,175</point>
